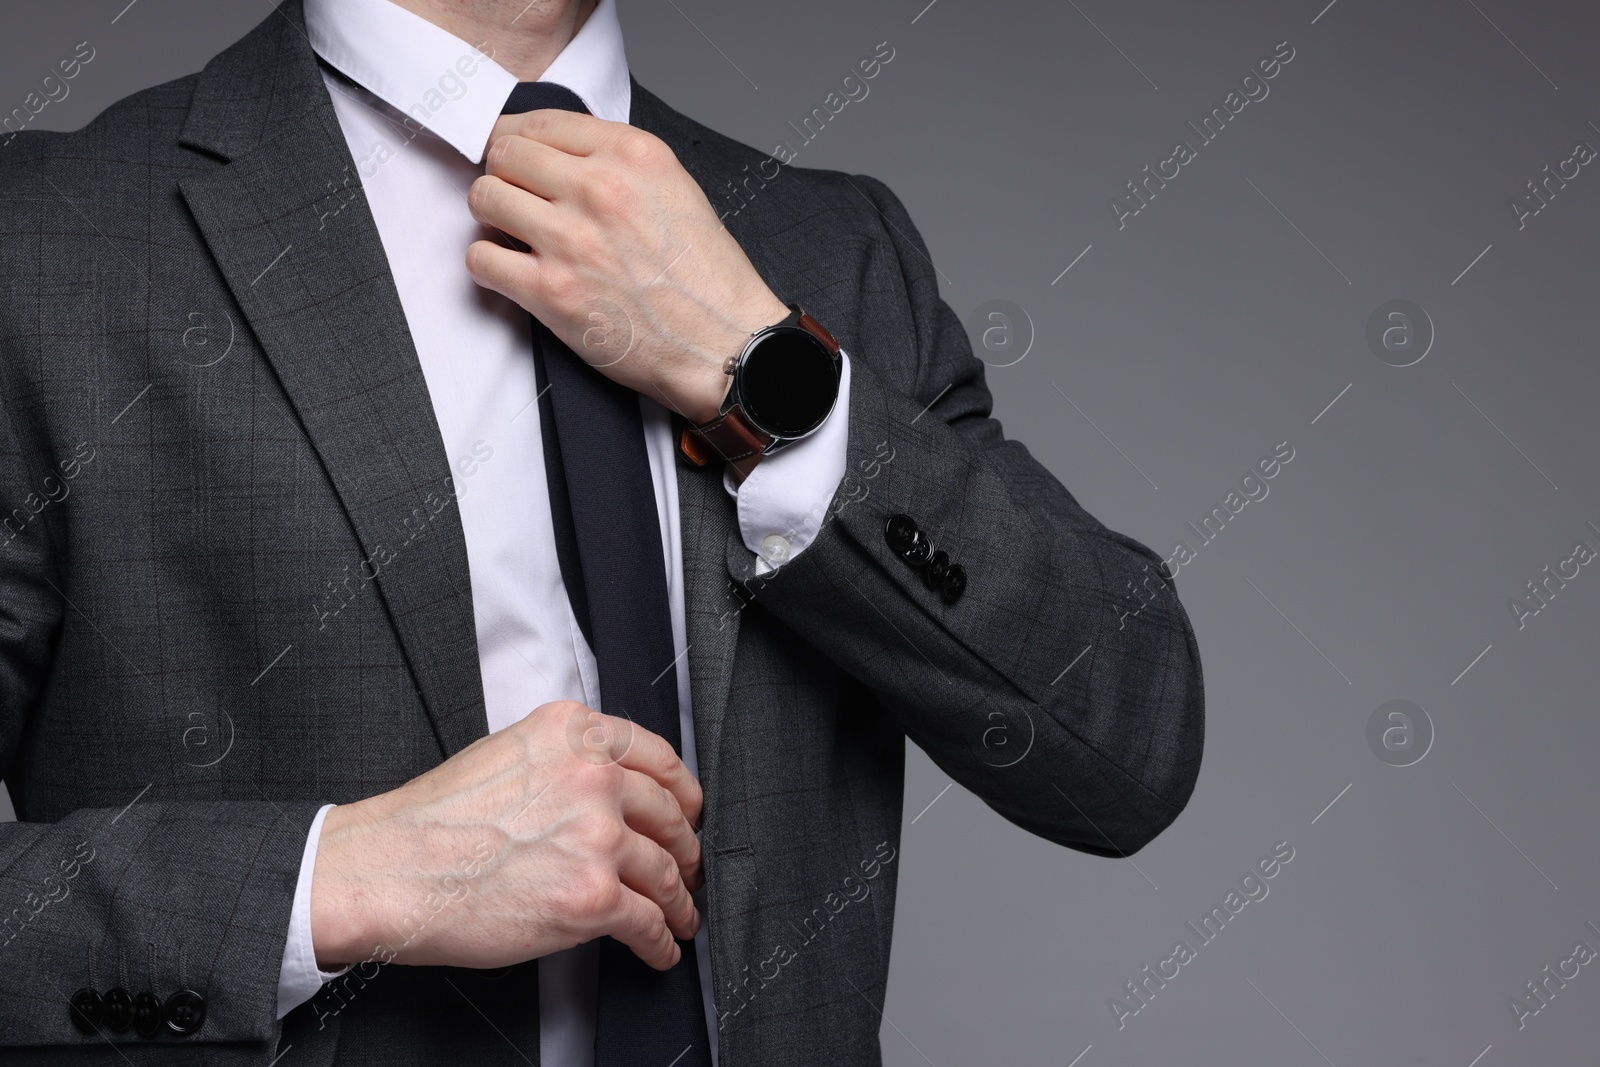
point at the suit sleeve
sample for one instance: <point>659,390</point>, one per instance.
<point>1063,686</point>
<point>150,896</point>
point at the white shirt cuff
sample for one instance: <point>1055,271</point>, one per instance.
<point>784,500</point>
<point>298,978</point>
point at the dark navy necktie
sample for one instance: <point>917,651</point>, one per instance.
<point>608,544</point>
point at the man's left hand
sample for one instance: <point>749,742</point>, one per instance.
<point>628,263</point>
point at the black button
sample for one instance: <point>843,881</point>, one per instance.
<point>899,531</point>
<point>918,551</point>
<point>933,574</point>
<point>146,1015</point>
<point>186,1010</point>
<point>119,1009</point>
<point>955,583</point>
<point>87,1011</point>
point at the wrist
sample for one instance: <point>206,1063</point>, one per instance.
<point>345,917</point>
<point>700,390</point>
<point>702,386</point>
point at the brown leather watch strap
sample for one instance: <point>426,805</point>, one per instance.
<point>727,437</point>
<point>816,329</point>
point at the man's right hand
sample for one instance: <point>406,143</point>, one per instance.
<point>561,828</point>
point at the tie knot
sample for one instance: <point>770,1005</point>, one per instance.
<point>533,96</point>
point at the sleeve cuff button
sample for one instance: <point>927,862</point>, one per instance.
<point>185,1011</point>
<point>775,549</point>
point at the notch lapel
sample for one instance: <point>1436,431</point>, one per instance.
<point>290,230</point>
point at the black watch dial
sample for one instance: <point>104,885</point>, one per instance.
<point>788,383</point>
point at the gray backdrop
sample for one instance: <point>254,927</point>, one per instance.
<point>1220,320</point>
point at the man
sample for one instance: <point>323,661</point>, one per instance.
<point>463,601</point>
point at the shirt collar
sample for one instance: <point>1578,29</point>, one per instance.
<point>443,83</point>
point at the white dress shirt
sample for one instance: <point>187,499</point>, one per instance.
<point>416,105</point>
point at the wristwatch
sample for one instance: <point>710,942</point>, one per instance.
<point>785,383</point>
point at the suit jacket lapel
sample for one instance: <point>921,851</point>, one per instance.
<point>290,231</point>
<point>809,264</point>
<point>706,521</point>
<point>788,258</point>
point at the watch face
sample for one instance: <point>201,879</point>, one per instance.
<point>788,383</point>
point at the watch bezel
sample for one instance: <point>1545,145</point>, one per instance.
<point>736,394</point>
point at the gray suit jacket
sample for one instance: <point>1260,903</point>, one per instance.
<point>211,413</point>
